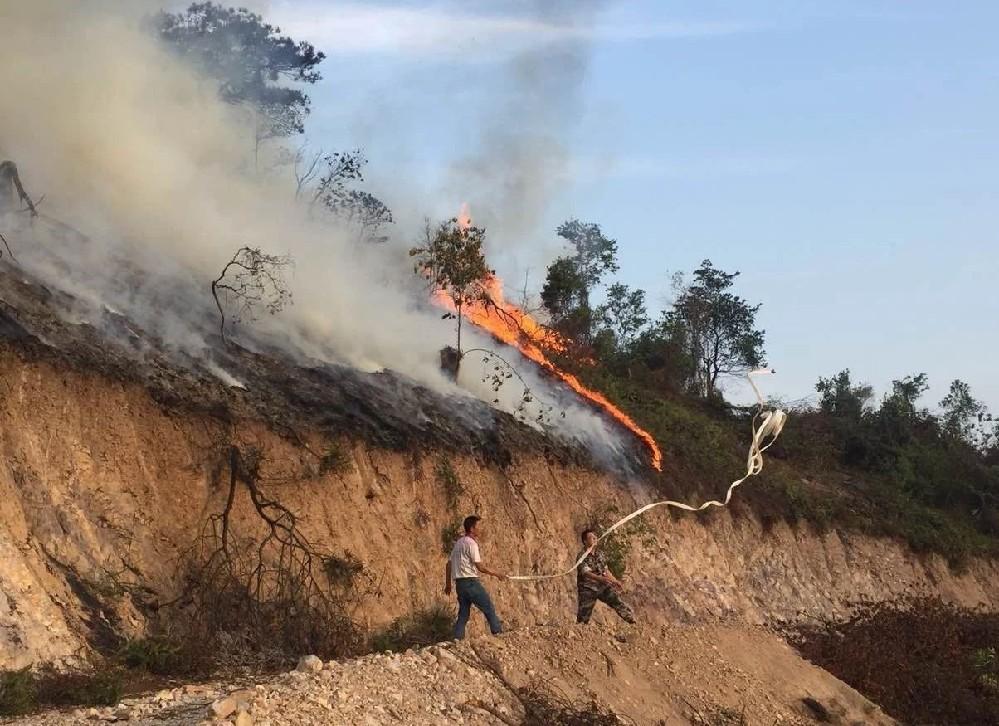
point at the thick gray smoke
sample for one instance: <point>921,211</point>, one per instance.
<point>521,159</point>
<point>139,153</point>
<point>136,151</point>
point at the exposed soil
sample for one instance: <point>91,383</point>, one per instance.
<point>383,409</point>
<point>924,661</point>
<point>710,675</point>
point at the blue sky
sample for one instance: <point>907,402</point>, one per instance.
<point>841,155</point>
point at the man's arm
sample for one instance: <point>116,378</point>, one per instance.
<point>477,561</point>
<point>447,577</point>
<point>485,570</point>
<point>606,577</point>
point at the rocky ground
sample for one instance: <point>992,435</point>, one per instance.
<point>713,674</point>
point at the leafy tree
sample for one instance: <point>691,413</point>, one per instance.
<point>571,279</point>
<point>335,174</point>
<point>249,59</point>
<point>622,317</point>
<point>623,314</point>
<point>452,261</point>
<point>563,297</point>
<point>595,254</point>
<point>901,402</point>
<point>964,417</point>
<point>716,328</point>
<point>842,398</point>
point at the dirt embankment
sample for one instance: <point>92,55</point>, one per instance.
<point>102,488</point>
<point>709,675</point>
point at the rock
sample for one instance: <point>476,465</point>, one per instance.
<point>309,664</point>
<point>224,707</point>
<point>244,719</point>
<point>243,698</point>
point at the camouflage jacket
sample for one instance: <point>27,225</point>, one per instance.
<point>596,563</point>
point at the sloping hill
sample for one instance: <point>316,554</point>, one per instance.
<point>713,675</point>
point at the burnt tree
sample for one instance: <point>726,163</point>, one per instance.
<point>249,281</point>
<point>12,191</point>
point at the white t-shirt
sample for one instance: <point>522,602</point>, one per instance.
<point>464,557</point>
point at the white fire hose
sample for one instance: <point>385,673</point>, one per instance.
<point>767,426</point>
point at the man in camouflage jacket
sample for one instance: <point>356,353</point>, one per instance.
<point>594,581</point>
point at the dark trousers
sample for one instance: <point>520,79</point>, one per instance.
<point>471,592</point>
<point>588,600</point>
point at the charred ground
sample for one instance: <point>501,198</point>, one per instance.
<point>385,409</point>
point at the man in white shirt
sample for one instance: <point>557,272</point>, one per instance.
<point>464,566</point>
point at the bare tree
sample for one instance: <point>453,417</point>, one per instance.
<point>10,183</point>
<point>528,301</point>
<point>268,582</point>
<point>306,169</point>
<point>340,169</point>
<point>250,280</point>
<point>329,180</point>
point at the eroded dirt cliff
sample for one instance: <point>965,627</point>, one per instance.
<point>103,488</point>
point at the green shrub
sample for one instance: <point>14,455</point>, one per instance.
<point>156,655</point>
<point>617,546</point>
<point>18,694</point>
<point>336,460</point>
<point>448,479</point>
<point>103,687</point>
<point>23,691</point>
<point>420,628</point>
<point>449,535</point>
<point>986,665</point>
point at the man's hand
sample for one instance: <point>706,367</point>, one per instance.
<point>447,589</point>
<point>486,571</point>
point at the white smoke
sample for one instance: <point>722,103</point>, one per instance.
<point>136,151</point>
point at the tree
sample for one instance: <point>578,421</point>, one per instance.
<point>901,402</point>
<point>898,416</point>
<point>623,314</point>
<point>249,59</point>
<point>11,187</point>
<point>452,261</point>
<point>716,328</point>
<point>964,417</point>
<point>841,398</point>
<point>563,296</point>
<point>595,254</point>
<point>259,577</point>
<point>359,210</point>
<point>250,280</point>
<point>571,279</point>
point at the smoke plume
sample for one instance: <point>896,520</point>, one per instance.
<point>135,150</point>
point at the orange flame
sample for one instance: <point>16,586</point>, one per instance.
<point>511,325</point>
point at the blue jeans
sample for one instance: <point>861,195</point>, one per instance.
<point>471,592</point>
